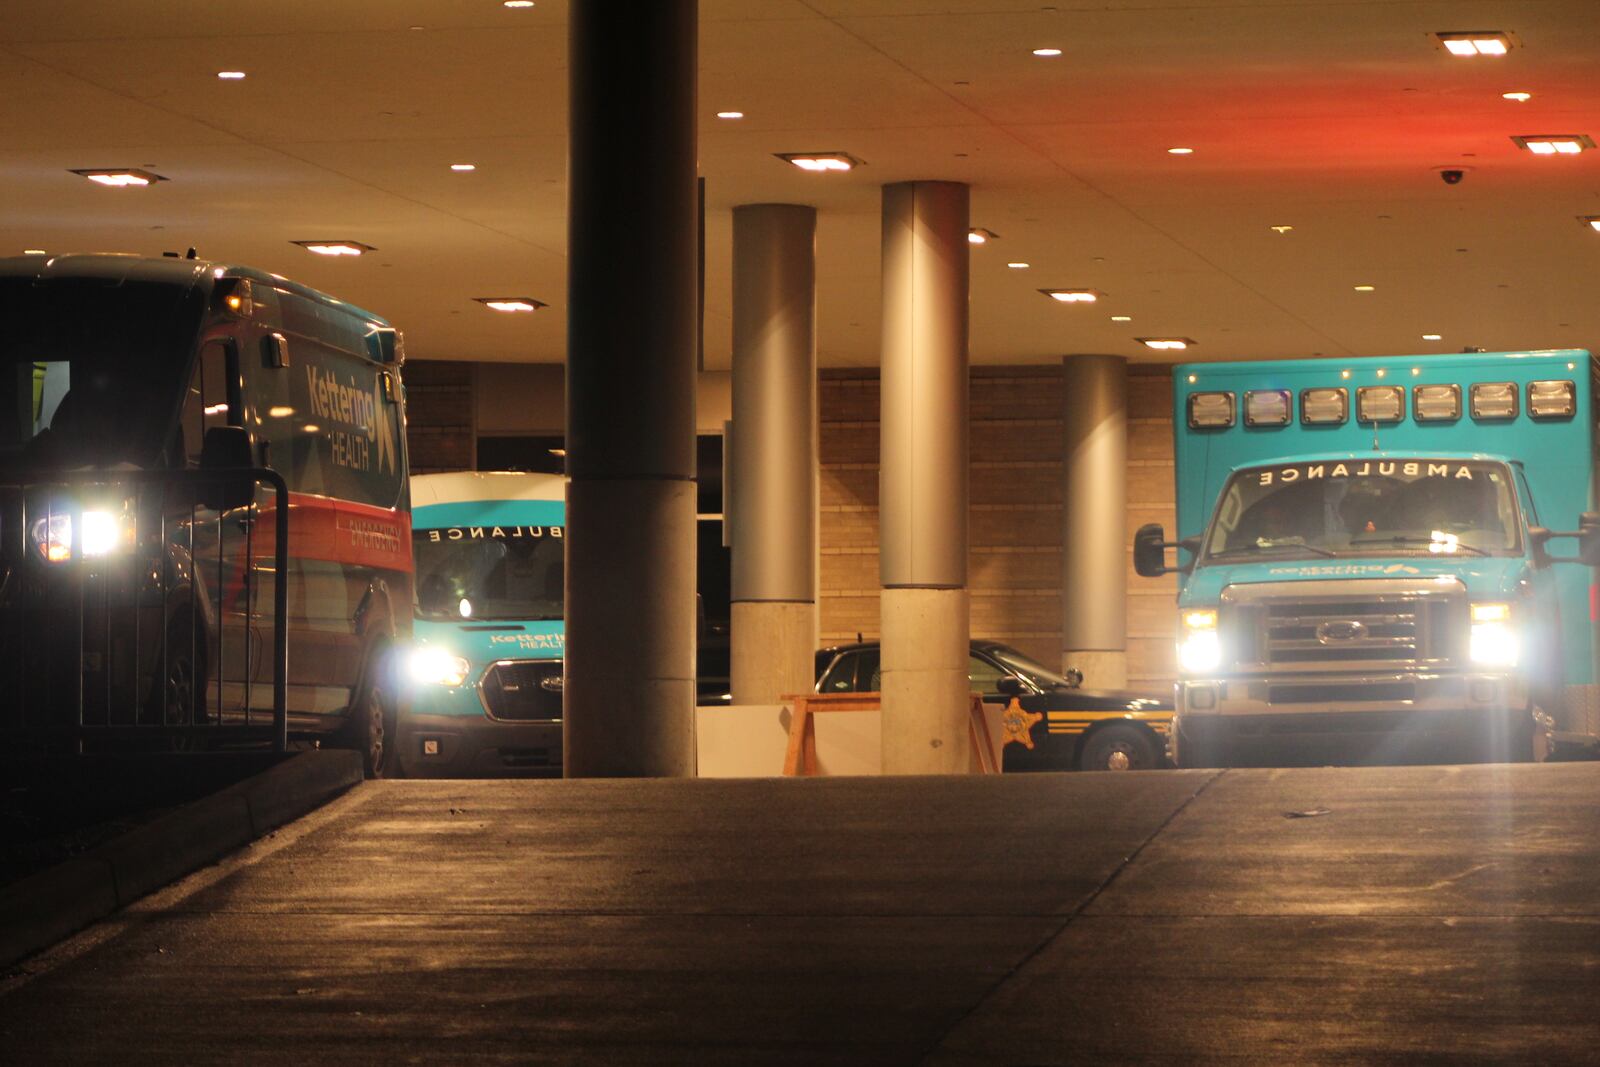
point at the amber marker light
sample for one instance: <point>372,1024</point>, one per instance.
<point>335,248</point>
<point>1165,344</point>
<point>119,177</point>
<point>1465,43</point>
<point>510,304</point>
<point>1554,144</point>
<point>821,162</point>
<point>1072,296</point>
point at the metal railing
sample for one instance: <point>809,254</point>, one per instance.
<point>131,610</point>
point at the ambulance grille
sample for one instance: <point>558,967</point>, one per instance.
<point>524,691</point>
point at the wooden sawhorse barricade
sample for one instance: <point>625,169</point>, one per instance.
<point>801,760</point>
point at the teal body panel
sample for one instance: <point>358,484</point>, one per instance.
<point>1555,455</point>
<point>483,643</point>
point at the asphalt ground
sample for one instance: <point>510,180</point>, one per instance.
<point>1336,915</point>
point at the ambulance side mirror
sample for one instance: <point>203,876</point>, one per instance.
<point>1150,546</point>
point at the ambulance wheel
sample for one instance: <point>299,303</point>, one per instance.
<point>1119,747</point>
<point>179,697</point>
<point>372,731</point>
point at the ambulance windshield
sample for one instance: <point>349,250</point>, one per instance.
<point>1366,507</point>
<point>490,572</point>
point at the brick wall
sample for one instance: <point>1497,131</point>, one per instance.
<point>1014,563</point>
<point>439,415</point>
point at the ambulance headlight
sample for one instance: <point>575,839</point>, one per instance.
<point>429,665</point>
<point>1199,649</point>
<point>103,533</point>
<point>1494,639</point>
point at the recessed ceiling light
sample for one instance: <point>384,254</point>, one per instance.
<point>1047,52</point>
<point>821,162</point>
<point>33,252</point>
<point>1073,296</point>
<point>1281,230</point>
<point>1519,97</point>
<point>1180,151</point>
<point>1018,266</point>
<point>1366,288</point>
<point>518,3</point>
<point>1475,42</point>
<point>1122,318</point>
<point>231,75</point>
<point>1433,337</point>
<point>1554,144</point>
<point>1591,221</point>
<point>510,303</point>
<point>980,236</point>
<point>730,114</point>
<point>463,167</point>
<point>1165,343</point>
<point>119,177</point>
<point>334,248</point>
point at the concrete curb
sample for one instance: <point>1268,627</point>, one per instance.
<point>47,907</point>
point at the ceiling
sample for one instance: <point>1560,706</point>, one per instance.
<point>1330,116</point>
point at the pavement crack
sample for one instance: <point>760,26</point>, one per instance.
<point>1083,906</point>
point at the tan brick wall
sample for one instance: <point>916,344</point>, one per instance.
<point>439,416</point>
<point>1014,564</point>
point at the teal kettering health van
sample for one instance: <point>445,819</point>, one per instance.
<point>1366,555</point>
<point>485,667</point>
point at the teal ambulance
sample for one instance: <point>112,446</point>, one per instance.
<point>1370,560</point>
<point>484,672</point>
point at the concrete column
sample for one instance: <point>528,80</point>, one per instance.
<point>631,309</point>
<point>773,472</point>
<point>923,479</point>
<point>1094,564</point>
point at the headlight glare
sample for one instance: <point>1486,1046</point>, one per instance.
<point>430,665</point>
<point>103,533</point>
<point>1494,644</point>
<point>1199,650</point>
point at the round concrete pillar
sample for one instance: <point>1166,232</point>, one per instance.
<point>773,464</point>
<point>923,479</point>
<point>1094,566</point>
<point>630,598</point>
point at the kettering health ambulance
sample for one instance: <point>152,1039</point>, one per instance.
<point>485,668</point>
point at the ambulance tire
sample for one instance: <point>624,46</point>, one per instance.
<point>371,727</point>
<point>179,698</point>
<point>1120,747</point>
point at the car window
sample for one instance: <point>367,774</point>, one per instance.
<point>870,678</point>
<point>841,677</point>
<point>983,675</point>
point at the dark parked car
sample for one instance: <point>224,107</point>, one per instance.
<point>1077,729</point>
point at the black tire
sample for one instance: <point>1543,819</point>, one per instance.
<point>1120,747</point>
<point>178,691</point>
<point>371,726</point>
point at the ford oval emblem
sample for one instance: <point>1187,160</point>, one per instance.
<point>551,683</point>
<point>1340,630</point>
